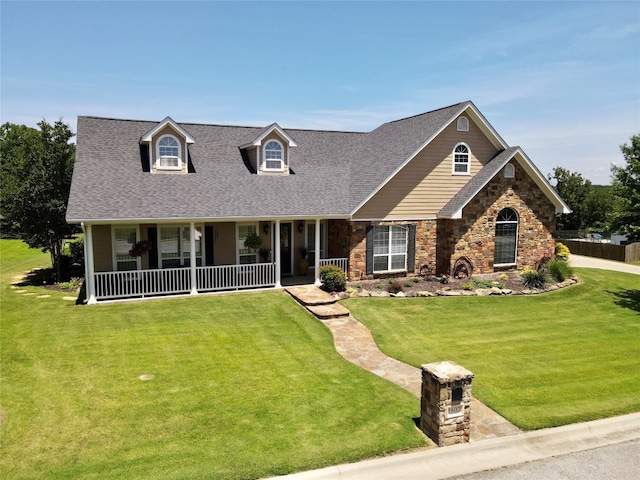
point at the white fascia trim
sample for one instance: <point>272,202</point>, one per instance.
<point>391,219</point>
<point>175,220</point>
<point>543,183</point>
<point>167,121</point>
<point>274,127</point>
<point>485,126</point>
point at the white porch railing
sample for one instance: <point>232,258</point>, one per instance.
<point>138,283</point>
<point>228,277</point>
<point>340,262</point>
<point>141,283</point>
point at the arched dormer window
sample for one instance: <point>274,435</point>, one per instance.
<point>506,241</point>
<point>463,124</point>
<point>168,153</point>
<point>509,171</point>
<point>273,156</point>
<point>461,160</point>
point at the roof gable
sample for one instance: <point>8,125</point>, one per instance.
<point>416,132</point>
<point>168,121</point>
<point>453,209</point>
<point>265,132</point>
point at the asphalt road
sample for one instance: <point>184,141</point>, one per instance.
<point>613,462</point>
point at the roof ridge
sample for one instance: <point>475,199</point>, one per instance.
<point>429,112</point>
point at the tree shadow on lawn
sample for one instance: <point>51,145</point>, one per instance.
<point>46,277</point>
<point>628,298</point>
<point>38,277</point>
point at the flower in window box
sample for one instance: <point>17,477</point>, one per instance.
<point>140,248</point>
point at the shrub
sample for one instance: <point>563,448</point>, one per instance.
<point>416,279</point>
<point>534,278</point>
<point>333,278</point>
<point>407,284</point>
<point>562,251</point>
<point>504,277</point>
<point>392,281</point>
<point>482,283</point>
<point>467,286</point>
<point>559,269</point>
<point>394,288</point>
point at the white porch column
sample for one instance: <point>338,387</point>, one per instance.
<point>192,258</point>
<point>317,251</point>
<point>88,265</point>
<point>277,253</point>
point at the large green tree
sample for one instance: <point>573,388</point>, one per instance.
<point>574,190</point>
<point>625,188</point>
<point>36,168</point>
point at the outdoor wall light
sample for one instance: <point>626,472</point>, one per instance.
<point>265,229</point>
<point>300,227</point>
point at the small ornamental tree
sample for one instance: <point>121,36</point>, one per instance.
<point>36,168</point>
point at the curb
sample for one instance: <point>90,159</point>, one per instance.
<point>462,459</point>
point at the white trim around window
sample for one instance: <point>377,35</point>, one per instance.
<point>273,156</point>
<point>122,240</point>
<point>246,255</point>
<point>506,238</point>
<point>390,248</point>
<point>168,153</point>
<point>174,245</point>
<point>461,159</point>
<point>463,124</point>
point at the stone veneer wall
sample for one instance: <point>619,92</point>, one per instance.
<point>337,238</point>
<point>437,418</point>
<point>474,235</point>
<point>425,251</point>
<point>444,241</point>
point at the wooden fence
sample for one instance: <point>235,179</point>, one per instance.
<point>621,253</point>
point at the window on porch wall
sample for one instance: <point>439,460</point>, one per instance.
<point>311,243</point>
<point>246,255</point>
<point>175,248</point>
<point>125,238</point>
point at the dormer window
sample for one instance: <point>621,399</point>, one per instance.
<point>168,153</point>
<point>273,156</point>
<point>461,160</point>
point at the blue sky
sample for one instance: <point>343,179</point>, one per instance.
<point>560,79</point>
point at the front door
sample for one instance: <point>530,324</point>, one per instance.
<point>285,249</point>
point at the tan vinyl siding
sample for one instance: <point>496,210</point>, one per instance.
<point>224,243</point>
<point>285,152</point>
<point>102,255</point>
<point>183,150</point>
<point>252,155</point>
<point>426,183</point>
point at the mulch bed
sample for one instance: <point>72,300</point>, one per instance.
<point>504,283</point>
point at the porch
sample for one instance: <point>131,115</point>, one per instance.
<point>175,281</point>
<point>146,259</point>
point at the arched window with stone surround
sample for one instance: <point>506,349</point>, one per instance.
<point>506,241</point>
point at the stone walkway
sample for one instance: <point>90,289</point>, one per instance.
<point>355,343</point>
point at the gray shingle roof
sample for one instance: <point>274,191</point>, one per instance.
<point>334,171</point>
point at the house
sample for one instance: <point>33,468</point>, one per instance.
<point>421,191</point>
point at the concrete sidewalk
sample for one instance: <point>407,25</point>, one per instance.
<point>602,264</point>
<point>462,459</point>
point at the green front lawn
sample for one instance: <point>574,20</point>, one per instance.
<point>541,361</point>
<point>240,386</point>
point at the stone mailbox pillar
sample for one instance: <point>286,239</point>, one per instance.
<point>445,406</point>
